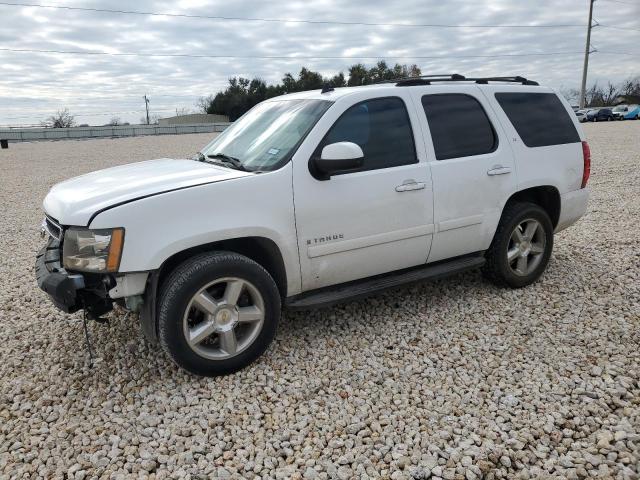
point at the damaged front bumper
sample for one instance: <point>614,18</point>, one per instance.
<point>96,293</point>
<point>71,292</point>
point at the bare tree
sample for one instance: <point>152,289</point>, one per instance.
<point>203,103</point>
<point>183,111</point>
<point>115,121</point>
<point>571,94</point>
<point>62,119</point>
<point>153,119</point>
<point>631,86</point>
<point>597,96</point>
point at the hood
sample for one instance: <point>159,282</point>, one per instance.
<point>74,201</point>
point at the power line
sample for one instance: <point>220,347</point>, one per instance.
<point>623,3</point>
<point>284,57</point>
<point>619,28</point>
<point>281,20</point>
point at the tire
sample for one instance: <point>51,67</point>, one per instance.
<point>536,250</point>
<point>223,293</point>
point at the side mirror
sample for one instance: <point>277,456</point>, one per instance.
<point>337,157</point>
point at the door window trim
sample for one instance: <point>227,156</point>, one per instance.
<point>496,137</point>
<point>316,153</point>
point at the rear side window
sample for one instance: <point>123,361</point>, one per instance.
<point>459,126</point>
<point>381,127</point>
<point>539,118</point>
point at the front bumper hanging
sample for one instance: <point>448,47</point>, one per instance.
<point>70,291</point>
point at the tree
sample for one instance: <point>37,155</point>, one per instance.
<point>242,94</point>
<point>203,103</point>
<point>631,86</point>
<point>61,119</point>
<point>358,75</point>
<point>603,96</point>
<point>114,122</point>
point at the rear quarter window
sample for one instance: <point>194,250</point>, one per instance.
<point>539,118</point>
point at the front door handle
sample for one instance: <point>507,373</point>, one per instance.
<point>410,185</point>
<point>498,170</point>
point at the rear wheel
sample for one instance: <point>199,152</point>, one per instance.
<point>217,313</point>
<point>521,247</point>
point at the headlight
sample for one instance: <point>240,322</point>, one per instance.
<point>92,250</point>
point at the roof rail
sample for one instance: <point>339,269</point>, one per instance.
<point>421,79</point>
<point>455,77</point>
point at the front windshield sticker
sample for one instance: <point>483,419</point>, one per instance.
<point>273,151</point>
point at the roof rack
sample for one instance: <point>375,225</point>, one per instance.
<point>456,77</point>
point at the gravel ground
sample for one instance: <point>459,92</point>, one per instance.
<point>454,379</point>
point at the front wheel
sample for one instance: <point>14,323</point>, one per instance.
<point>217,313</point>
<point>521,247</point>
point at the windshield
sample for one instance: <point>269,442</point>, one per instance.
<point>266,136</point>
<point>620,108</point>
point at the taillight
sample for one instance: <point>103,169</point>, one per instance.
<point>586,156</point>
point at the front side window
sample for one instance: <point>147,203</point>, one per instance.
<point>459,126</point>
<point>539,118</point>
<point>382,129</point>
<point>266,137</point>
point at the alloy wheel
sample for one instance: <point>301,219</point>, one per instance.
<point>526,247</point>
<point>223,318</point>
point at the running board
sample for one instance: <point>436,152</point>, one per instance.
<point>328,296</point>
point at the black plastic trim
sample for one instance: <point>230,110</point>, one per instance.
<point>455,77</point>
<point>148,321</point>
<point>328,296</point>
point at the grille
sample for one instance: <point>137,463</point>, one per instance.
<point>52,227</point>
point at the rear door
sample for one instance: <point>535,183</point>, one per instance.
<point>472,167</point>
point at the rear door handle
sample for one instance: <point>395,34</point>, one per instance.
<point>410,185</point>
<point>498,170</point>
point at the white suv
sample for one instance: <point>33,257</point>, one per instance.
<point>317,197</point>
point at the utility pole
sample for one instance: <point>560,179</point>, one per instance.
<point>146,101</point>
<point>587,52</point>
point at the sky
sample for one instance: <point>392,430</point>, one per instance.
<point>95,88</point>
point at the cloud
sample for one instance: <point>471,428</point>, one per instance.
<point>33,85</point>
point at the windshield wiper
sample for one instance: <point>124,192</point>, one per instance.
<point>227,160</point>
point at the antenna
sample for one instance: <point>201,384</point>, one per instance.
<point>326,88</point>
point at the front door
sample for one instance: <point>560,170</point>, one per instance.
<point>473,171</point>
<point>373,220</point>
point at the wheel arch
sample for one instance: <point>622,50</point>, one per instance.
<point>261,250</point>
<point>546,196</point>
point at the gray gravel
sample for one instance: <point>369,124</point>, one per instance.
<point>456,379</point>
